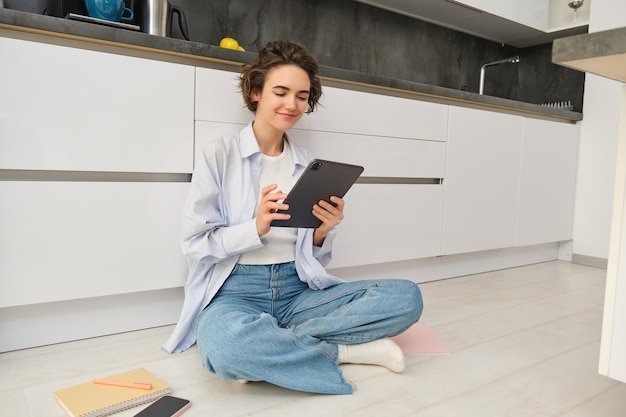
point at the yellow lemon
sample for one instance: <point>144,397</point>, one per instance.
<point>229,43</point>
<point>241,48</point>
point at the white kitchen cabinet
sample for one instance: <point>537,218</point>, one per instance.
<point>533,13</point>
<point>70,109</point>
<point>482,180</point>
<point>547,182</point>
<point>380,156</point>
<point>388,223</point>
<point>348,111</point>
<point>544,15</point>
<point>218,98</point>
<point>72,240</point>
<point>561,16</point>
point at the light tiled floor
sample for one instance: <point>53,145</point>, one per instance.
<point>524,342</point>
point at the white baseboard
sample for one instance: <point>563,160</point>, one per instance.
<point>442,267</point>
<point>43,324</point>
<point>590,260</point>
<point>49,323</point>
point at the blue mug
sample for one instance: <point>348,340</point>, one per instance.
<point>112,10</point>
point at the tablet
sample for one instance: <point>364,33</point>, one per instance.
<point>319,181</point>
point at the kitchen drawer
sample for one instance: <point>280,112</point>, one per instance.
<point>71,109</point>
<point>388,223</point>
<point>348,111</point>
<point>218,98</point>
<point>381,156</point>
<point>72,240</point>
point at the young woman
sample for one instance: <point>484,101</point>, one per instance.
<point>258,300</point>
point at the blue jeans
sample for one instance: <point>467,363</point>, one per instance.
<point>265,324</point>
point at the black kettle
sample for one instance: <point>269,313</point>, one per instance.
<point>155,17</point>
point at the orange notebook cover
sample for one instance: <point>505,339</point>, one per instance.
<point>94,400</point>
<point>420,339</point>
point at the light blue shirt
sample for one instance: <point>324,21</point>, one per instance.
<point>219,225</point>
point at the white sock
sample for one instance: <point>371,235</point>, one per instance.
<point>383,352</point>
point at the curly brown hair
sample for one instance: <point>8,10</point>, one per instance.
<point>277,53</point>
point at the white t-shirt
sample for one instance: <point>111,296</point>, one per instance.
<point>280,242</point>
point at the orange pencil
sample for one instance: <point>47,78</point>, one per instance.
<point>138,385</point>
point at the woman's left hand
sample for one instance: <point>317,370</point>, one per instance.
<point>330,215</point>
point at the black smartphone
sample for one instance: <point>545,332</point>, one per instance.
<point>166,406</point>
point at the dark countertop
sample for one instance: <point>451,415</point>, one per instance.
<point>602,53</point>
<point>49,29</point>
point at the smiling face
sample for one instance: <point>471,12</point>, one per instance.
<point>283,100</point>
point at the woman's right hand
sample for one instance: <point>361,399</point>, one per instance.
<point>270,203</point>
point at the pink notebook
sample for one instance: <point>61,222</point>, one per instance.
<point>420,339</point>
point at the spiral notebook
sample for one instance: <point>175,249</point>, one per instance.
<point>94,400</point>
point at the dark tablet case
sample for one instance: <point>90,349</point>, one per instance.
<point>320,180</point>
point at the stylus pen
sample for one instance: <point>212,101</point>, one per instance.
<point>138,385</point>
